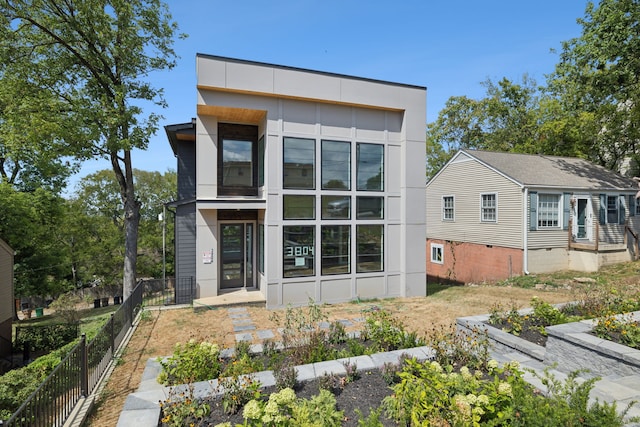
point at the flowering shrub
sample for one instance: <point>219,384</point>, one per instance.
<point>433,394</point>
<point>190,362</point>
<point>430,393</point>
<point>620,328</point>
<point>181,408</point>
<point>285,409</point>
<point>388,333</point>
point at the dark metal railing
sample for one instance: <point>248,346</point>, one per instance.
<point>79,372</point>
<point>168,291</point>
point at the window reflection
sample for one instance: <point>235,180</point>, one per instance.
<point>336,165</point>
<point>370,207</point>
<point>369,243</point>
<point>336,207</point>
<point>370,169</point>
<point>299,163</point>
<point>335,249</point>
<point>237,166</point>
<point>299,251</point>
<point>299,207</point>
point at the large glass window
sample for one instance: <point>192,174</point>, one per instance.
<point>336,165</point>
<point>299,207</point>
<point>336,207</point>
<point>336,245</point>
<point>261,162</point>
<point>299,163</point>
<point>548,210</point>
<point>299,250</point>
<point>369,244</point>
<point>237,159</point>
<point>488,209</point>
<point>370,207</point>
<point>370,168</point>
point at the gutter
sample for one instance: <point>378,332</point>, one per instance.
<point>525,232</point>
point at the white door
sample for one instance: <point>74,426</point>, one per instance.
<point>582,218</point>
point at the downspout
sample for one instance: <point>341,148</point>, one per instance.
<point>525,232</point>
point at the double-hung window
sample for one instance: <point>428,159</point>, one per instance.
<point>612,209</point>
<point>548,210</point>
<point>448,212</point>
<point>489,207</point>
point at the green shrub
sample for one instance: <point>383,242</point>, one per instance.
<point>191,362</point>
<point>388,333</point>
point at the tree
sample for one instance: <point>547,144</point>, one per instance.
<point>28,221</point>
<point>598,80</point>
<point>94,56</point>
<point>506,119</point>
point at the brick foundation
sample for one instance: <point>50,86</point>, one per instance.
<point>473,263</point>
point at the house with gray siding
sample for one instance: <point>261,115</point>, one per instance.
<point>298,184</point>
<point>494,215</point>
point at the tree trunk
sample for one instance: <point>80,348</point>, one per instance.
<point>131,220</point>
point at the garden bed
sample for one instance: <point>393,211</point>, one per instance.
<point>570,345</point>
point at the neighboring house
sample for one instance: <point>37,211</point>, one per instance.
<point>492,215</point>
<point>300,184</point>
<point>6,298</point>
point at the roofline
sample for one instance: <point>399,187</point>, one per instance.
<point>171,131</point>
<point>461,151</point>
<point>306,70</point>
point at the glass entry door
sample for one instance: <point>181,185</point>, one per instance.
<point>236,255</point>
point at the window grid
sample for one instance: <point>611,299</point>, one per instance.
<point>488,207</point>
<point>448,208</point>
<point>612,209</point>
<point>548,210</point>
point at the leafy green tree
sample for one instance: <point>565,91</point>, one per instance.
<point>506,119</point>
<point>94,56</point>
<point>598,81</point>
<point>28,223</point>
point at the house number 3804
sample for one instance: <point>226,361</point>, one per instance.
<point>298,250</point>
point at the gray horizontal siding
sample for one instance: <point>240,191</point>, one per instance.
<point>185,231</point>
<point>466,181</point>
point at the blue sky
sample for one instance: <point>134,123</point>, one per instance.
<point>448,46</point>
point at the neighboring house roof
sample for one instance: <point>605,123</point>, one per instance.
<point>536,170</point>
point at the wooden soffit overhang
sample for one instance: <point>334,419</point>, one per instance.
<point>249,116</point>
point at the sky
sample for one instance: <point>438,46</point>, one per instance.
<point>447,46</point>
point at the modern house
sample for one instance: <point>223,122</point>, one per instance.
<point>7,308</point>
<point>300,185</point>
<point>493,215</point>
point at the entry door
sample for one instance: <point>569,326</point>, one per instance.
<point>236,255</point>
<point>583,218</point>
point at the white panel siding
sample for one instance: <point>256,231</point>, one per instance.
<point>467,227</point>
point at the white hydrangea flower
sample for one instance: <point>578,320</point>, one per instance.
<point>466,374</point>
<point>436,366</point>
<point>504,388</point>
<point>492,364</point>
<point>284,397</point>
<point>483,400</point>
<point>252,410</point>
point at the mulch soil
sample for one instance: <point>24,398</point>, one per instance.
<point>364,393</point>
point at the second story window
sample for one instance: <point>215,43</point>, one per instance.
<point>237,160</point>
<point>489,207</point>
<point>299,163</point>
<point>448,212</point>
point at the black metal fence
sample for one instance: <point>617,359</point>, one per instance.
<point>168,291</point>
<point>79,372</point>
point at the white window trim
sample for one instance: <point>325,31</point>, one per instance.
<point>436,246</point>
<point>560,212</point>
<point>487,221</point>
<point>606,216</point>
<point>443,207</point>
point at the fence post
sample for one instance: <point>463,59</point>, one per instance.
<point>84,368</point>
<point>113,338</point>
